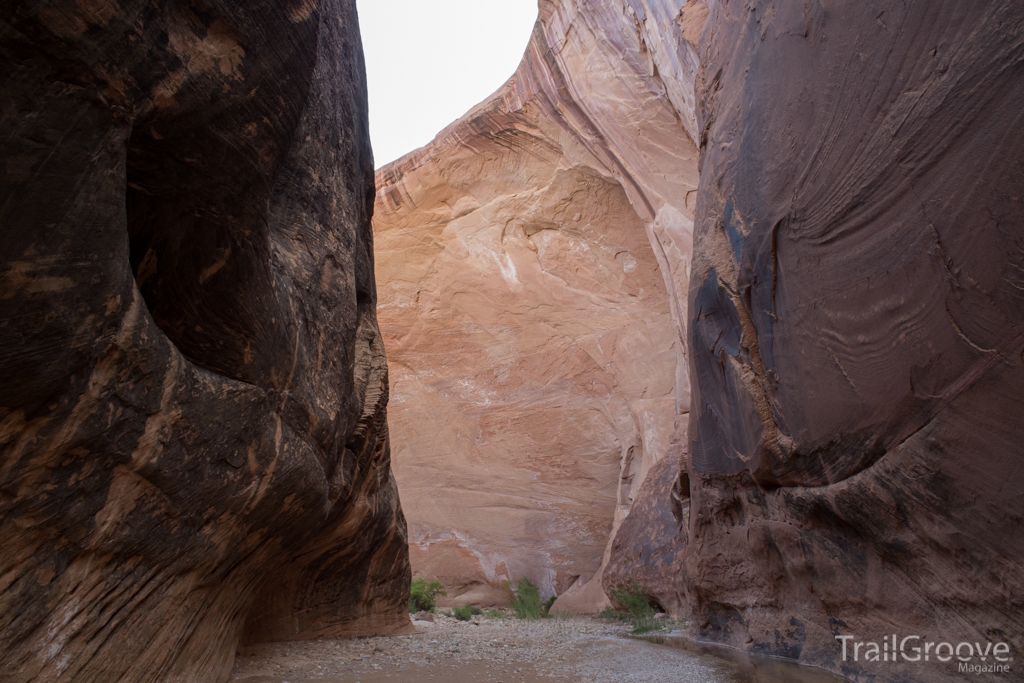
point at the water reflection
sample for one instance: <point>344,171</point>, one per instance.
<point>742,667</point>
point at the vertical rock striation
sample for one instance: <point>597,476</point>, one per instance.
<point>192,384</point>
<point>857,311</point>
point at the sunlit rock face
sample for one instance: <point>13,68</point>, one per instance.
<point>531,265</point>
<point>532,350</point>
<point>853,320</point>
<point>857,310</point>
<point>192,383</point>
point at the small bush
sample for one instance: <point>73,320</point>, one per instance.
<point>635,607</point>
<point>633,602</point>
<point>547,605</point>
<point>423,595</point>
<point>466,612</point>
<point>647,624</point>
<point>526,602</point>
<point>495,614</point>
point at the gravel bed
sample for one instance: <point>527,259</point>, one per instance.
<point>504,650</point>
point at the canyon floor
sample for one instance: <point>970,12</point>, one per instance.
<point>506,650</point>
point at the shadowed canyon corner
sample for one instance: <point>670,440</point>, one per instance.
<point>714,306</point>
<point>193,385</point>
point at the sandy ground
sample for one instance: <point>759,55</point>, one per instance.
<point>491,650</point>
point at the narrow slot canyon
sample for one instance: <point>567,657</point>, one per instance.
<point>692,352</point>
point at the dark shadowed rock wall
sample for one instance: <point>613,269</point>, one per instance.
<point>857,328</point>
<point>192,384</point>
<point>645,551</point>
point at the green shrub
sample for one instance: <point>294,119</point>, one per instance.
<point>633,602</point>
<point>423,595</point>
<point>495,614</point>
<point>547,605</point>
<point>647,624</point>
<point>466,612</point>
<point>526,602</point>
<point>634,607</point>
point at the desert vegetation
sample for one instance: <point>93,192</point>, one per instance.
<point>635,608</point>
<point>423,595</point>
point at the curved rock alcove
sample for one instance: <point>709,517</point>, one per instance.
<point>192,384</point>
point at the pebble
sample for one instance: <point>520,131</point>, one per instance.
<point>559,648</point>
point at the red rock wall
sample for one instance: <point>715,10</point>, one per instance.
<point>533,267</point>
<point>646,551</point>
<point>192,384</point>
<point>856,330</point>
<point>533,352</point>
<point>853,318</point>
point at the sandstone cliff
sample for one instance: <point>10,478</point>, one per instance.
<point>192,384</point>
<point>851,333</point>
<point>531,264</point>
<point>857,309</point>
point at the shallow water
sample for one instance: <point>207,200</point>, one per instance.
<point>747,668</point>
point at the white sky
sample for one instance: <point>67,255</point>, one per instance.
<point>428,62</point>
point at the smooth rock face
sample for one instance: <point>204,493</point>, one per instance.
<point>192,384</point>
<point>531,262</point>
<point>856,305</point>
<point>532,351</point>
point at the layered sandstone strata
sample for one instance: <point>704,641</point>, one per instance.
<point>857,309</point>
<point>531,262</point>
<point>532,353</point>
<point>192,384</point>
<point>855,314</point>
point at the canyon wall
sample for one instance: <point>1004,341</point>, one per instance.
<point>851,331</point>
<point>857,310</point>
<point>532,264</point>
<point>192,383</point>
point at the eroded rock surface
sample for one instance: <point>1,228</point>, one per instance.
<point>532,351</point>
<point>531,261</point>
<point>853,318</point>
<point>192,384</point>
<point>857,311</point>
<point>645,552</point>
